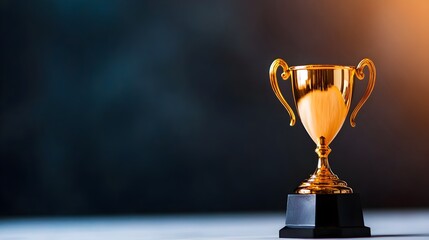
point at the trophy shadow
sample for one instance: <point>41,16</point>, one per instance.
<point>400,235</point>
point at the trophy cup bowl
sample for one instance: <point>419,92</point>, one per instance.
<point>323,94</point>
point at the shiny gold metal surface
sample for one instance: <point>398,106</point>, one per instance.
<point>322,95</point>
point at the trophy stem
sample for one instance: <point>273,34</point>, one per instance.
<point>323,180</point>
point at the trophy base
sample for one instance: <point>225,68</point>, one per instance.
<point>324,216</point>
<point>325,232</point>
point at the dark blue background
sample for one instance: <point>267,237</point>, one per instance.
<point>165,106</point>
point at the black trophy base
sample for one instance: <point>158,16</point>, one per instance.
<point>324,216</point>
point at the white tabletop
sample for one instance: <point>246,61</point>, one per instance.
<point>384,225</point>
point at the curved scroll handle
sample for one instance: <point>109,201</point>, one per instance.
<point>274,84</point>
<point>371,82</point>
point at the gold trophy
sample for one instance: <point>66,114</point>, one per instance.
<point>323,205</point>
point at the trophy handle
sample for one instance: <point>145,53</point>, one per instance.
<point>274,84</point>
<point>371,82</point>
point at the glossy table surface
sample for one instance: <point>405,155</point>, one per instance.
<point>394,224</point>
